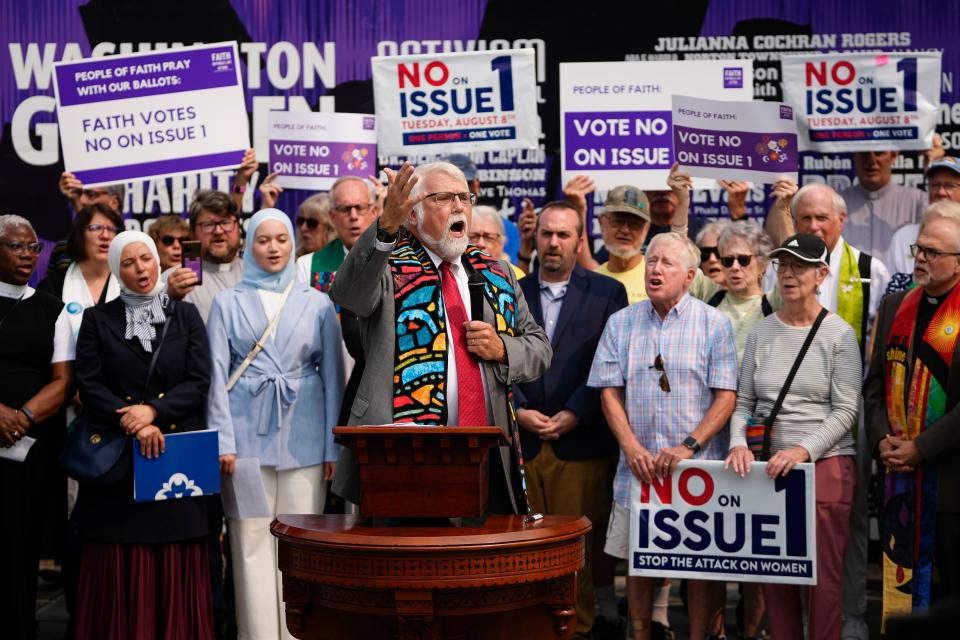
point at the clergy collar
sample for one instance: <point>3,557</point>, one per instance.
<point>8,290</point>
<point>219,266</point>
<point>878,193</point>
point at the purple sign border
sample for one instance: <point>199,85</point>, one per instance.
<point>113,175</point>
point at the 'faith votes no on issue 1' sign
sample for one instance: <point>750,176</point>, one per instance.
<point>145,115</point>
<point>704,522</point>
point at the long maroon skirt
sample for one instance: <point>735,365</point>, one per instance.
<point>144,592</point>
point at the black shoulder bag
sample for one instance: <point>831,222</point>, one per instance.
<point>101,455</point>
<point>759,433</point>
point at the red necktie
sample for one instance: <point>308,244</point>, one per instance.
<point>471,403</point>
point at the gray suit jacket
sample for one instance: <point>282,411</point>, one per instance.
<point>364,285</point>
<point>939,444</point>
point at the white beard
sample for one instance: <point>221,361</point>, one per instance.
<point>448,248</point>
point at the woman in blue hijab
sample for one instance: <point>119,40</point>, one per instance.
<point>275,392</point>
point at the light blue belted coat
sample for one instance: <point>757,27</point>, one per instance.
<point>285,405</point>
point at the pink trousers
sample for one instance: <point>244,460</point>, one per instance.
<point>836,479</point>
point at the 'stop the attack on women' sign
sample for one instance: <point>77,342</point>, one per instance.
<point>456,102</point>
<point>704,522</point>
<point>755,141</point>
<point>616,116</point>
<point>311,150</point>
<point>863,101</point>
<point>144,115</point>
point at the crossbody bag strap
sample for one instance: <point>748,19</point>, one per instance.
<point>156,352</point>
<point>258,346</point>
<point>786,383</point>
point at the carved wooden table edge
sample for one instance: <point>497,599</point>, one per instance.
<point>411,574</point>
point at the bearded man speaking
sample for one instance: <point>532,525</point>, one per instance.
<point>427,362</point>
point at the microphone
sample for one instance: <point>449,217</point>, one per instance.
<point>476,283</point>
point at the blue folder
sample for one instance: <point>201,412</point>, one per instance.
<point>189,467</point>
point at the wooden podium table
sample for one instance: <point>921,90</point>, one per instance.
<point>503,580</point>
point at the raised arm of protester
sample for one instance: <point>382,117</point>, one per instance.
<point>680,183</point>
<point>248,167</point>
<point>779,224</point>
<point>270,191</point>
<point>736,197</point>
<point>576,192</point>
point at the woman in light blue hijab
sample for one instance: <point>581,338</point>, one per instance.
<point>274,406</point>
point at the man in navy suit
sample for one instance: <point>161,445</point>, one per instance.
<point>568,449</point>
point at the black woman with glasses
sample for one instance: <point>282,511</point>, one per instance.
<point>36,359</point>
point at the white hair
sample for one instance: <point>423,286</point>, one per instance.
<point>839,205</point>
<point>341,180</point>
<point>491,215</point>
<point>10,221</point>
<point>716,227</point>
<point>945,210</point>
<point>690,254</point>
<point>423,170</point>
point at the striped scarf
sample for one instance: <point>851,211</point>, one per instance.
<point>142,313</point>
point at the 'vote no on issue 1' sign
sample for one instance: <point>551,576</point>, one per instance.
<point>616,121</point>
<point>145,115</point>
<point>753,141</point>
<point>312,150</point>
<point>704,522</point>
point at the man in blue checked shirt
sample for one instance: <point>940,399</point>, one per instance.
<point>667,370</point>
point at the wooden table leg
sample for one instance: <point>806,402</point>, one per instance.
<point>414,611</point>
<point>563,605</point>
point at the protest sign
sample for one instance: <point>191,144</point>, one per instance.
<point>311,150</point>
<point>863,101</point>
<point>753,141</point>
<point>456,102</point>
<point>131,117</point>
<point>188,467</point>
<point>704,522</point>
<point>616,119</point>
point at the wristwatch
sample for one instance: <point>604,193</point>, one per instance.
<point>691,443</point>
<point>239,188</point>
<point>385,236</point>
<point>29,415</point>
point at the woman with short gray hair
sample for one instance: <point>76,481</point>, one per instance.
<point>709,253</point>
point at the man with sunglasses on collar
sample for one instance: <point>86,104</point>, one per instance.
<point>667,373</point>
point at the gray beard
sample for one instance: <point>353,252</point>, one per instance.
<point>621,253</point>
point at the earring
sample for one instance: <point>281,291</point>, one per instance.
<point>818,289</point>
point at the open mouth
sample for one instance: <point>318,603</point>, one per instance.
<point>655,282</point>
<point>143,281</point>
<point>458,228</point>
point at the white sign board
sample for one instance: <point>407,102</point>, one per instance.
<point>704,522</point>
<point>456,102</point>
<point>145,115</point>
<point>616,116</point>
<point>863,101</point>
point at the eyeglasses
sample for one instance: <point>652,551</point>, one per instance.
<point>705,253</point>
<point>795,268</point>
<point>658,365</point>
<point>345,209</point>
<point>929,253</point>
<point>934,187</point>
<point>226,225</point>
<point>487,237</point>
<point>634,223</point>
<point>93,194</point>
<point>312,223</point>
<point>22,248</point>
<point>728,261</point>
<point>444,198</point>
<point>169,240</point>
<point>100,228</point>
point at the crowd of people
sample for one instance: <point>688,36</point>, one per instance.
<point>602,367</point>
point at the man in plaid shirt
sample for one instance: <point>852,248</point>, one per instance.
<point>667,368</point>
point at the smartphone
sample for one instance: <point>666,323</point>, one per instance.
<point>191,258</point>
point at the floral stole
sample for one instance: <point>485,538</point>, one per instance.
<point>420,361</point>
<point>915,398</point>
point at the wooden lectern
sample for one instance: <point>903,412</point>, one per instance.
<point>510,577</point>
